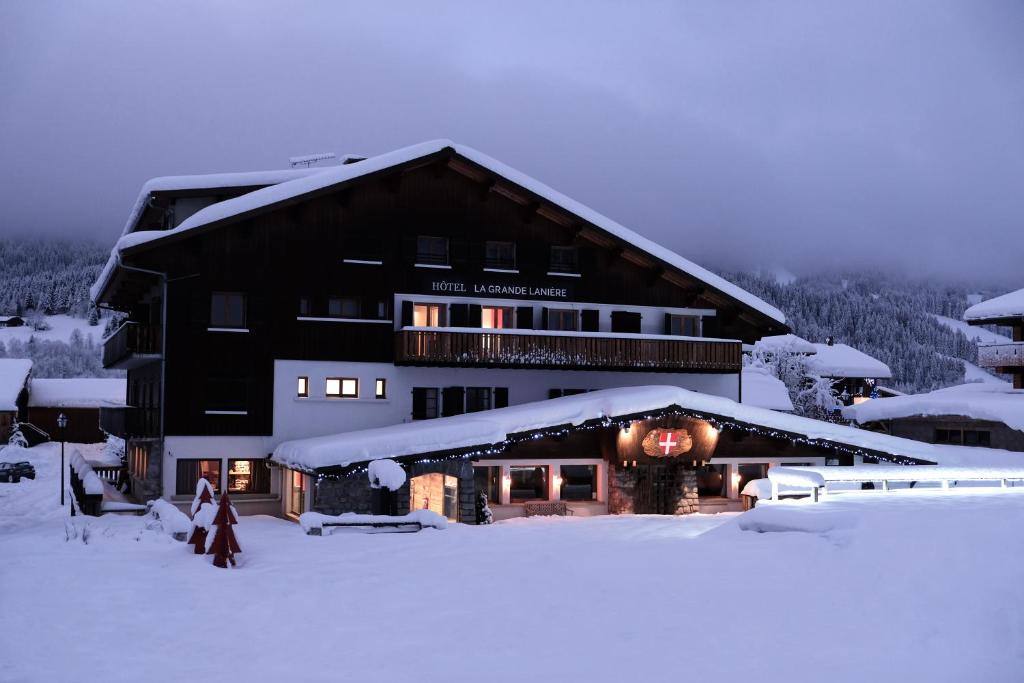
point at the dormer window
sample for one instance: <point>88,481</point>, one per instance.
<point>432,251</point>
<point>500,255</point>
<point>564,260</point>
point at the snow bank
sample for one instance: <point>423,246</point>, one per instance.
<point>386,473</point>
<point>326,177</point>
<point>491,428</point>
<point>764,390</point>
<point>1009,305</point>
<point>979,401</point>
<point>80,392</point>
<point>790,517</point>
<point>425,518</point>
<point>13,375</point>
<point>173,520</point>
<point>840,360</point>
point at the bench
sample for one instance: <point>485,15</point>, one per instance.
<point>547,508</point>
<point>372,527</point>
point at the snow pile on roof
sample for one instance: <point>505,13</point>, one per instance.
<point>764,390</point>
<point>326,177</point>
<point>386,473</point>
<point>79,392</point>
<point>13,375</point>
<point>840,360</point>
<point>786,342</point>
<point>1006,306</point>
<point>979,401</point>
<point>490,427</point>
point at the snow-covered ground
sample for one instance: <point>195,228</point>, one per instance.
<point>61,328</point>
<point>896,586</point>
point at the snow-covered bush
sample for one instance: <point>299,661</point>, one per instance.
<point>385,473</point>
<point>16,438</point>
<point>172,520</point>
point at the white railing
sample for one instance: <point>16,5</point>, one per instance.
<point>815,481</point>
<point>1009,355</point>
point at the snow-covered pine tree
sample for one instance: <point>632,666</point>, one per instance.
<point>94,316</point>
<point>483,510</point>
<point>203,513</point>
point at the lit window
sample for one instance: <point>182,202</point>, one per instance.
<point>497,317</point>
<point>248,476</point>
<point>380,388</point>
<point>427,315</point>
<point>189,472</point>
<point>342,387</point>
<point>303,390</point>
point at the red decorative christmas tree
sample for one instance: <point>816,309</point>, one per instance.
<point>223,545</point>
<point>202,509</point>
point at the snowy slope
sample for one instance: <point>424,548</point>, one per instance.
<point>80,392</point>
<point>61,328</point>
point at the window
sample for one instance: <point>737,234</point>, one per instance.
<point>297,497</point>
<point>564,260</point>
<point>579,482</point>
<point>976,437</point>
<point>501,255</point>
<point>427,315</point>
<point>947,436</point>
<point>437,492</point>
<point>227,309</point>
<point>303,388</point>
<point>189,472</point>
<point>305,307</point>
<point>342,387</point>
<point>488,482</point>
<point>382,308</point>
<point>684,325</point>
<point>343,307</point>
<point>225,394</point>
<point>497,317</point>
<point>248,476</point>
<point>528,482</point>
<point>425,403</point>
<point>561,319</point>
<point>432,251</point>
<point>380,388</point>
<point>477,399</point>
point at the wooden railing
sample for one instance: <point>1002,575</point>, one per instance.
<point>433,347</point>
<point>130,422</point>
<point>1009,355</point>
<point>132,345</point>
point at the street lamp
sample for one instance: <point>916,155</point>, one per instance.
<point>62,422</point>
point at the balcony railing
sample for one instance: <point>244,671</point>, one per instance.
<point>132,345</point>
<point>128,423</point>
<point>579,351</point>
<point>1009,355</point>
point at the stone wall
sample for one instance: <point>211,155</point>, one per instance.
<point>623,483</point>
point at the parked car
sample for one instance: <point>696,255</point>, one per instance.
<point>14,471</point>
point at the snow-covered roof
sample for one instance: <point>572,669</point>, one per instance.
<point>13,375</point>
<point>1009,305</point>
<point>79,392</point>
<point>327,177</point>
<point>840,360</point>
<point>786,342</point>
<point>490,427</point>
<point>764,390</point>
<point>978,401</point>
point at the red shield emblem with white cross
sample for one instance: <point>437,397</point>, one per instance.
<point>667,443</point>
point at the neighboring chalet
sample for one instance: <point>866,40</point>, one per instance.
<point>14,380</point>
<point>80,400</point>
<point>989,414</point>
<point>11,321</point>
<point>420,284</point>
<point>1005,358</point>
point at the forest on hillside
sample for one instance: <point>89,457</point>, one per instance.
<point>49,275</point>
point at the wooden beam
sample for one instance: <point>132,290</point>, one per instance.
<point>486,187</point>
<point>530,211</point>
<point>655,275</point>
<point>613,255</point>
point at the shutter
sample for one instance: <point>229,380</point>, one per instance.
<point>453,401</point>
<point>589,320</point>
<point>419,403</point>
<point>554,393</point>
<point>668,323</point>
<point>459,314</point>
<point>544,318</point>
<point>500,397</point>
<point>475,315</point>
<point>406,314</point>
<point>524,317</point>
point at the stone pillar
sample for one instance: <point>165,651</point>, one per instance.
<point>687,503</point>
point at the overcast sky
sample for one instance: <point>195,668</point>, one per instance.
<point>737,133</point>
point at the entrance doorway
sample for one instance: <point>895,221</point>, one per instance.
<point>437,492</point>
<point>657,489</point>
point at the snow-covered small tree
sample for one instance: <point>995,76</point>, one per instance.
<point>818,399</point>
<point>222,543</point>
<point>17,438</point>
<point>203,513</point>
<point>94,316</point>
<point>483,510</point>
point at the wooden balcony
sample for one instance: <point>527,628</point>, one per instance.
<point>580,351</point>
<point>132,345</point>
<point>1010,355</point>
<point>127,423</point>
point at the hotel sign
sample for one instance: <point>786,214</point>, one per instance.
<point>667,443</point>
<point>493,289</point>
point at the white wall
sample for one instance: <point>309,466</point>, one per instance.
<point>297,418</point>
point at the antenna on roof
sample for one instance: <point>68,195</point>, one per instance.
<point>308,160</point>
